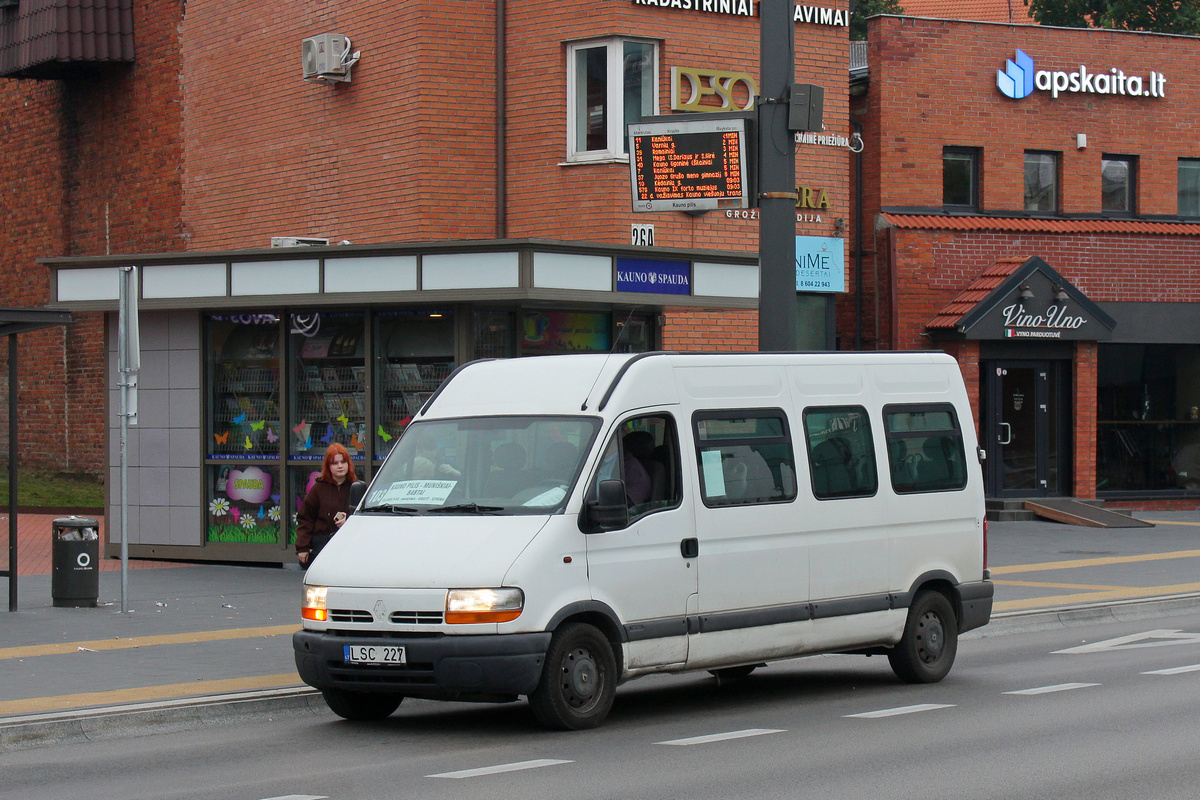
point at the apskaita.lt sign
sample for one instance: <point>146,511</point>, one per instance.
<point>1020,78</point>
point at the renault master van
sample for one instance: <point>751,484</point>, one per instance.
<point>550,527</point>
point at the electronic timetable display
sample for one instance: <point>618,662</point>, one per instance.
<point>690,164</point>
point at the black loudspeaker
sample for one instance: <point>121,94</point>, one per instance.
<point>806,109</point>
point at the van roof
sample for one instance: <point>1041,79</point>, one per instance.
<point>574,384</point>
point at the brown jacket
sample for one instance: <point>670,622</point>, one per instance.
<point>322,502</point>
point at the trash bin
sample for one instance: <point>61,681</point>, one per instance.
<point>75,557</point>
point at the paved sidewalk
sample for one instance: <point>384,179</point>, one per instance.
<point>201,636</point>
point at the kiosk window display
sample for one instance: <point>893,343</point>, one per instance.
<point>243,434</point>
<point>414,353</point>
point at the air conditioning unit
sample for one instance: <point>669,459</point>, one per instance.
<point>327,58</point>
<point>298,241</point>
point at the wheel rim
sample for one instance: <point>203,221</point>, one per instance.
<point>932,639</point>
<point>581,678</point>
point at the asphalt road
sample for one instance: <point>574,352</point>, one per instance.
<point>1114,716</point>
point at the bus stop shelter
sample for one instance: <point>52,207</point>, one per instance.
<point>13,322</point>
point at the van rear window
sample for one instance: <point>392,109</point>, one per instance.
<point>745,457</point>
<point>840,453</point>
<point>925,448</point>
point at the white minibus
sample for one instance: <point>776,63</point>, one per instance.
<point>551,527</point>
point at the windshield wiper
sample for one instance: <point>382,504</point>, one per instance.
<point>392,509</point>
<point>468,508</point>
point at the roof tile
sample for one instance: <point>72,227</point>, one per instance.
<point>1040,224</point>
<point>981,287</point>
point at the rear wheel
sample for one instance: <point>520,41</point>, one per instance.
<point>930,642</point>
<point>361,705</point>
<point>579,679</point>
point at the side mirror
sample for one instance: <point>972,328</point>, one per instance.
<point>607,512</point>
<point>357,490</point>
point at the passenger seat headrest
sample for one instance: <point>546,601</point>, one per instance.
<point>640,444</point>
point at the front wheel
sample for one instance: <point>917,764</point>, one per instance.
<point>579,679</point>
<point>930,642</point>
<point>361,706</point>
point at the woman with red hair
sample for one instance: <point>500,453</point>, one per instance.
<point>326,505</point>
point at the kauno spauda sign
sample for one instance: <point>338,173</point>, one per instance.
<point>1020,78</point>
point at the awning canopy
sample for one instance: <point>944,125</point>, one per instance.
<point>1023,299</point>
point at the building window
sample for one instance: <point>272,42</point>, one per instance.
<point>1148,431</point>
<point>1117,184</point>
<point>1189,187</point>
<point>1041,182</point>
<point>960,177</point>
<point>610,84</point>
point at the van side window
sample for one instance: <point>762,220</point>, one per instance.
<point>925,448</point>
<point>644,454</point>
<point>744,457</point>
<point>840,454</point>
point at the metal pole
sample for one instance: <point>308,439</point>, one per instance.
<point>12,472</point>
<point>777,180</point>
<point>124,381</point>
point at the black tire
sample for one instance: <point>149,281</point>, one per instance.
<point>361,706</point>
<point>579,679</point>
<point>728,674</point>
<point>926,652</point>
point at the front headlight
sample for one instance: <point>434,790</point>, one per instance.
<point>313,606</point>
<point>465,606</point>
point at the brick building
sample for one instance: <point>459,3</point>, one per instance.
<point>1031,204</point>
<point>473,168</point>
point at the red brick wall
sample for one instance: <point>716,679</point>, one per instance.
<point>91,166</point>
<point>406,151</point>
<point>934,83</point>
<point>711,330</point>
<point>211,140</point>
<point>1086,415</point>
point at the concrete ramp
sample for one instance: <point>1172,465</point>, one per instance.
<point>1074,512</point>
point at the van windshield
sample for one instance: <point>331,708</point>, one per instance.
<point>483,465</point>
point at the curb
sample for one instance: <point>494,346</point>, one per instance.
<point>166,716</point>
<point>29,731</point>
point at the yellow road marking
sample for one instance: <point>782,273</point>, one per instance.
<point>1094,562</point>
<point>1168,522</point>
<point>146,693</point>
<point>30,651</point>
<point>1095,597</point>
<point>1041,585</point>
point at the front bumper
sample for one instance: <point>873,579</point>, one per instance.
<point>443,667</point>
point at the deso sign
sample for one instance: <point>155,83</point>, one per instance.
<point>1020,78</point>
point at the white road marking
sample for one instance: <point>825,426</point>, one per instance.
<point>895,712</point>
<point>721,737</point>
<point>1174,670</point>
<point>514,767</point>
<point>299,797</point>
<point>1058,687</point>
<point>1157,638</point>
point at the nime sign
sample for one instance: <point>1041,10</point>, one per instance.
<point>813,15</point>
<point>1020,78</point>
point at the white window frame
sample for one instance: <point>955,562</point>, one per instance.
<point>616,133</point>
